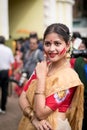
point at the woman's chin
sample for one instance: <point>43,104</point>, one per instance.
<point>53,60</point>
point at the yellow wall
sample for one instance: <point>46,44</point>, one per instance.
<point>25,15</point>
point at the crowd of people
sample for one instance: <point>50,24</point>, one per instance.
<point>28,53</point>
<point>52,88</point>
<point>12,65</point>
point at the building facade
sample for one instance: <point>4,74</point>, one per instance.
<point>19,18</point>
<point>80,17</point>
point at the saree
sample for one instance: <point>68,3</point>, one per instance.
<point>60,81</point>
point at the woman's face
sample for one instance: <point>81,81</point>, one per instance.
<point>55,47</point>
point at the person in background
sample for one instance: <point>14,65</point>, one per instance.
<point>82,46</point>
<point>33,55</point>
<point>31,58</point>
<point>80,66</point>
<point>18,56</point>
<point>52,98</point>
<point>18,64</point>
<point>40,45</point>
<point>75,41</point>
<point>24,46</point>
<point>6,64</point>
<point>25,43</point>
<point>75,35</point>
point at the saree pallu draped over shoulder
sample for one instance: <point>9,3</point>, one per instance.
<point>63,79</point>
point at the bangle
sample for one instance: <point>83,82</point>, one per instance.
<point>29,113</point>
<point>39,93</point>
<point>26,113</point>
<point>31,116</point>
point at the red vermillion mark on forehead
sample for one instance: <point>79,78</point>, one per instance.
<point>63,51</point>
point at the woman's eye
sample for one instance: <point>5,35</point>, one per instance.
<point>47,44</point>
<point>57,43</point>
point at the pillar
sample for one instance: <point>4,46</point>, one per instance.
<point>49,12</point>
<point>64,12</point>
<point>4,26</point>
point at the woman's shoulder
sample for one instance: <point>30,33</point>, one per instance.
<point>71,71</point>
<point>68,78</point>
<point>68,71</point>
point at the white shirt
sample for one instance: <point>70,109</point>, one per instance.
<point>6,57</point>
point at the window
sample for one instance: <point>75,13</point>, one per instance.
<point>80,13</point>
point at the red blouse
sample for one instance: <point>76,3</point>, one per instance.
<point>60,100</point>
<point>61,103</point>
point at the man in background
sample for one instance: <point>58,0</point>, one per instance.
<point>33,55</point>
<point>6,63</point>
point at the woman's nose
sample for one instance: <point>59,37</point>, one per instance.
<point>52,47</point>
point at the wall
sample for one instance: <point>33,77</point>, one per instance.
<point>25,15</point>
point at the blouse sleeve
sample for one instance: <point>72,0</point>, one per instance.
<point>60,100</point>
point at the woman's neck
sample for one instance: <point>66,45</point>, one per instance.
<point>54,66</point>
<point>59,63</point>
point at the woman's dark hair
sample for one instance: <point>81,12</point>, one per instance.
<point>60,29</point>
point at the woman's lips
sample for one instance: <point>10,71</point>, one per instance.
<point>52,55</point>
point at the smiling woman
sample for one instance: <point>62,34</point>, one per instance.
<point>54,46</point>
<point>56,88</point>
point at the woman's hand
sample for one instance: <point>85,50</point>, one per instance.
<point>41,125</point>
<point>41,70</point>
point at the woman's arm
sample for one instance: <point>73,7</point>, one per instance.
<point>23,102</point>
<point>42,111</point>
<point>38,124</point>
<point>25,106</point>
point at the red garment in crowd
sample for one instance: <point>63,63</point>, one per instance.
<point>72,62</point>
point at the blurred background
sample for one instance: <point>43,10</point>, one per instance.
<point>21,18</point>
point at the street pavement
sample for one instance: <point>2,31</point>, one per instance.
<point>10,120</point>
